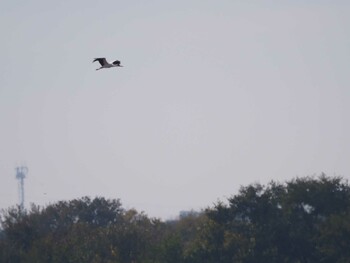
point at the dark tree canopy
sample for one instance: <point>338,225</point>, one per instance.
<point>302,220</point>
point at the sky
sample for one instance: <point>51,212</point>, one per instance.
<point>213,95</point>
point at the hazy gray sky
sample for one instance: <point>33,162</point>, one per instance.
<point>213,95</point>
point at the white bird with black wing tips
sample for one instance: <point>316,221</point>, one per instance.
<point>105,64</point>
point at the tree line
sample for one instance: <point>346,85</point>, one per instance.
<point>302,220</point>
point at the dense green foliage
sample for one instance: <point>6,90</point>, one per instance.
<point>302,220</point>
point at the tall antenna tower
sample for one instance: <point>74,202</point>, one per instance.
<point>21,172</point>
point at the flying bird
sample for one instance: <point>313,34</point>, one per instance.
<point>105,64</point>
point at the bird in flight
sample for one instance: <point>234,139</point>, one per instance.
<point>105,64</point>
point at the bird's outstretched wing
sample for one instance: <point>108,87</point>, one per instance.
<point>117,62</point>
<point>102,61</point>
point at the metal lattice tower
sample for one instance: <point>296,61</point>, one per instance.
<point>21,173</point>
